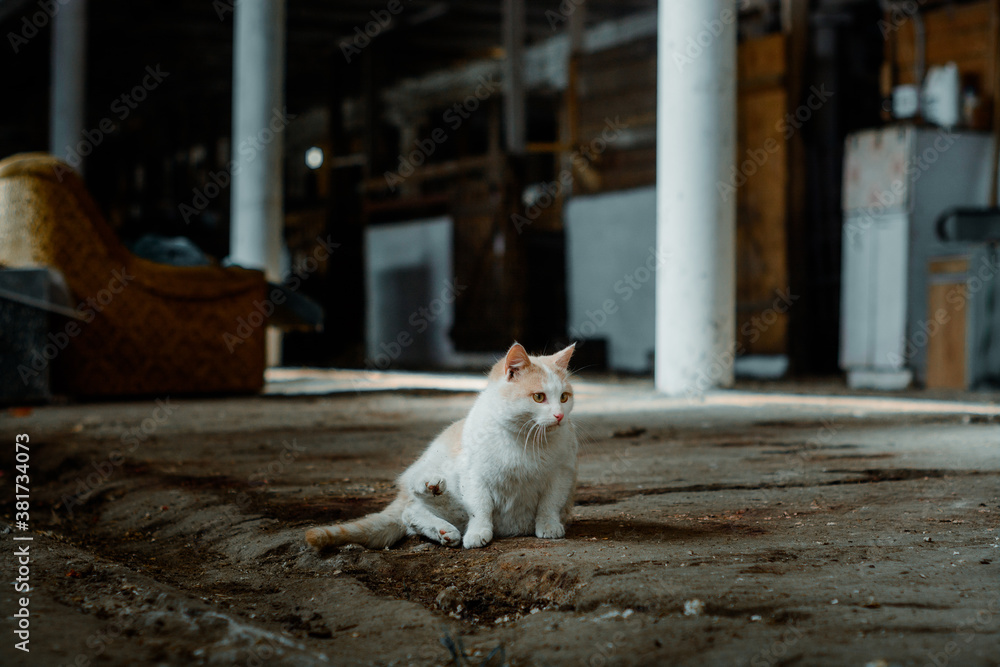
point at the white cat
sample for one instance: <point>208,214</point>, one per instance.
<point>508,468</point>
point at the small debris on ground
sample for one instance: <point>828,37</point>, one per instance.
<point>694,608</point>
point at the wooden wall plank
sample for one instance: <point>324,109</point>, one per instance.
<point>762,58</point>
<point>761,197</point>
<point>761,240</point>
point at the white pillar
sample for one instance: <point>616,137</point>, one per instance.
<point>258,135</point>
<point>695,225</point>
<point>259,120</point>
<point>68,76</point>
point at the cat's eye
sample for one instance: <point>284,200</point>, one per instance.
<point>539,397</point>
<point>565,397</point>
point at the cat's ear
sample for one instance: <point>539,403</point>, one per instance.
<point>517,360</point>
<point>561,358</point>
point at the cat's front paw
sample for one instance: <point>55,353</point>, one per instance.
<point>477,538</point>
<point>549,529</point>
<point>450,537</point>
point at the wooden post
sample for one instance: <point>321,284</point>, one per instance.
<point>795,24</point>
<point>995,74</point>
<point>69,72</point>
<point>569,135</point>
<point>513,74</point>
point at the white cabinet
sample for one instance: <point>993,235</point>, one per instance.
<point>874,273</point>
<point>897,181</point>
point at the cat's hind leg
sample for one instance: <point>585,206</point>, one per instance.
<point>422,521</point>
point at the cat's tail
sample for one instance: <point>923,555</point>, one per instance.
<point>374,531</point>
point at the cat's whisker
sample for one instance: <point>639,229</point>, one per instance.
<point>524,441</point>
<point>528,438</point>
<point>575,374</point>
<point>518,438</point>
<point>536,429</point>
<point>586,435</point>
<point>586,430</point>
<point>579,425</point>
<point>585,425</point>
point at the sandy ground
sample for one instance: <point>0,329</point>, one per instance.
<point>746,529</point>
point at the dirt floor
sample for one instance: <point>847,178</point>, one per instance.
<point>745,529</point>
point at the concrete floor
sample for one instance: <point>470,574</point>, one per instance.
<point>746,529</point>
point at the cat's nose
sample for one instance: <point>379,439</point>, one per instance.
<point>558,417</point>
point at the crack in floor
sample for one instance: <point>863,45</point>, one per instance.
<point>587,496</point>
